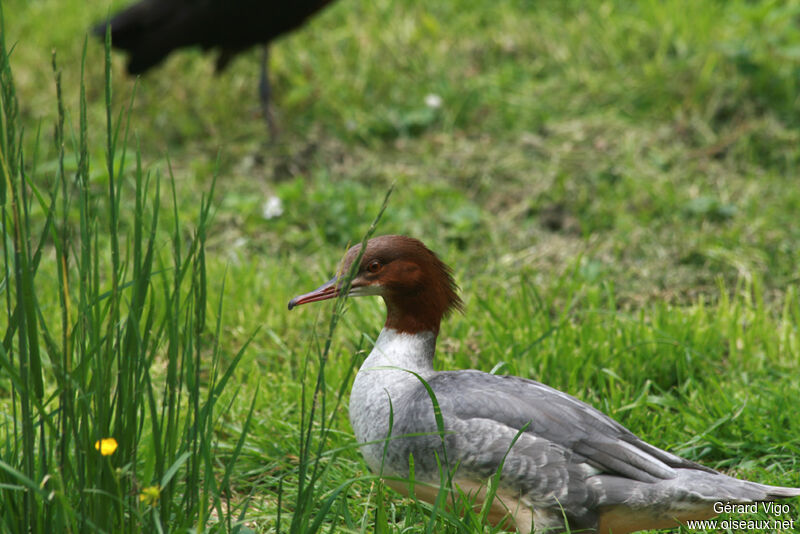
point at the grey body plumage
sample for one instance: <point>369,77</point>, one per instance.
<point>569,456</point>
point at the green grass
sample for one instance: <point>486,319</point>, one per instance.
<point>90,324</point>
<point>614,184</point>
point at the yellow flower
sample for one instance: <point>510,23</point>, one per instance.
<point>150,494</point>
<point>106,446</point>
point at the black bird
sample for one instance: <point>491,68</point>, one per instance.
<point>150,30</point>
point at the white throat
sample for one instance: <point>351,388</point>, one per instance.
<point>411,352</point>
<point>385,375</point>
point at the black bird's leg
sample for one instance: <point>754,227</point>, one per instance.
<point>265,94</point>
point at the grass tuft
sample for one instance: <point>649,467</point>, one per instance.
<point>95,438</point>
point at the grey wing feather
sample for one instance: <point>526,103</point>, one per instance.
<point>569,455</point>
<point>544,471</point>
<point>557,417</point>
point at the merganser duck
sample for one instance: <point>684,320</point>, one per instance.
<point>571,466</point>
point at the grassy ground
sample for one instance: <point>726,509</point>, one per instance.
<point>614,183</point>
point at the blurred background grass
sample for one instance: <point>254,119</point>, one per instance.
<point>633,162</point>
<point>657,139</point>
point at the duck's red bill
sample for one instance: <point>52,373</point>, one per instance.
<point>326,291</point>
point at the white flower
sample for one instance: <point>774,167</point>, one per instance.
<point>272,208</point>
<point>433,101</point>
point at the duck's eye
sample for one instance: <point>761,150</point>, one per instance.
<point>374,266</point>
